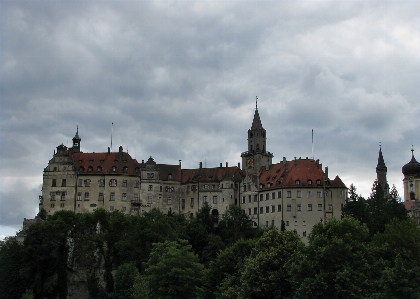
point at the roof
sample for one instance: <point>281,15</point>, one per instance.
<point>216,174</point>
<point>288,174</point>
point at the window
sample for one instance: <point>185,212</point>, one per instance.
<point>261,197</point>
<point>54,183</point>
<point>244,188</point>
<point>114,169</point>
<point>304,223</point>
<point>90,169</point>
<point>309,182</point>
<point>299,207</point>
<point>278,208</point>
<point>213,187</point>
<point>149,199</point>
<point>136,197</point>
<point>52,205</point>
<point>215,199</point>
<point>287,223</point>
<point>309,207</point>
<point>255,211</point>
<point>52,196</point>
<point>273,195</point>
<point>279,194</point>
<point>63,195</point>
<point>124,184</point>
<point>266,224</point>
<point>124,196</point>
<point>267,209</point>
<point>160,188</point>
<point>169,200</point>
<point>249,211</point>
<point>192,202</point>
<point>194,187</point>
<point>79,196</point>
<point>255,198</point>
<point>289,194</point>
<point>249,198</point>
<point>99,169</point>
<point>112,196</point>
<point>63,183</point>
<point>273,209</point>
<point>267,196</point>
<point>243,199</point>
<point>79,183</point>
<point>150,175</point>
<point>319,194</point>
<point>61,205</point>
<point>309,193</point>
<point>261,210</point>
<point>86,195</point>
<point>150,188</point>
<point>318,182</point>
<point>205,199</point>
<point>136,184</point>
<point>342,193</point>
<point>87,183</point>
<point>299,194</point>
<point>183,203</point>
<point>296,223</point>
<point>169,177</point>
<point>272,223</point>
<point>101,183</point>
<point>111,208</point>
<point>123,209</point>
<point>125,169</point>
<point>289,208</point>
<point>113,183</point>
<point>304,234</point>
<point>297,182</point>
<point>320,207</point>
<point>101,197</point>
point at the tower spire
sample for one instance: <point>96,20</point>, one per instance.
<point>256,102</point>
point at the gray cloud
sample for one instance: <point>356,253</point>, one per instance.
<point>179,80</point>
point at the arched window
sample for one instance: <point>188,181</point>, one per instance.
<point>114,168</point>
<point>297,182</point>
<point>99,169</point>
<point>90,169</point>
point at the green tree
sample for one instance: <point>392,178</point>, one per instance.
<point>173,271</point>
<point>124,280</point>
<point>235,224</point>
<point>264,274</point>
<point>335,264</point>
<point>222,278</point>
<point>11,261</point>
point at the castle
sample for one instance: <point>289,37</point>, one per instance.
<point>297,192</point>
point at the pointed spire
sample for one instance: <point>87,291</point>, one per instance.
<point>77,133</point>
<point>381,161</point>
<point>256,122</point>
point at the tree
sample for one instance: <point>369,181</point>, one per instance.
<point>173,271</point>
<point>264,274</point>
<point>124,280</point>
<point>335,264</point>
<point>11,261</point>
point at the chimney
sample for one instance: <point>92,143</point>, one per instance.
<point>201,165</point>
<point>226,164</point>
<point>284,160</point>
<point>221,164</point>
<point>142,161</point>
<point>326,172</point>
<point>239,164</point>
<point>267,167</point>
<point>180,163</point>
<point>109,150</point>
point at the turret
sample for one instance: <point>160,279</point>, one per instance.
<point>76,142</point>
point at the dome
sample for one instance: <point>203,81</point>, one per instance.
<point>412,168</point>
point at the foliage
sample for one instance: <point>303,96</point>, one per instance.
<point>11,261</point>
<point>124,281</point>
<point>173,271</point>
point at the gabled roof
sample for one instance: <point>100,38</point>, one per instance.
<point>217,174</point>
<point>165,170</point>
<point>105,162</point>
<point>302,173</point>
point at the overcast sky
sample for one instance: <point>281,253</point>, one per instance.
<point>179,78</point>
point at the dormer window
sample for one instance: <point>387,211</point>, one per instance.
<point>318,182</point>
<point>309,182</point>
<point>114,168</point>
<point>125,169</point>
<point>90,169</point>
<point>99,169</point>
<point>91,160</point>
<point>81,169</point>
<point>169,177</point>
<point>297,182</point>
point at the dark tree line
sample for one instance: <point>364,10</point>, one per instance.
<point>371,253</point>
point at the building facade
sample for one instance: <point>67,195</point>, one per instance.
<point>411,182</point>
<point>298,192</point>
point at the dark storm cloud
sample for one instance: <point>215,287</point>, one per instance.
<point>179,80</point>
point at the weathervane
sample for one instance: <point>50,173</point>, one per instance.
<point>256,103</point>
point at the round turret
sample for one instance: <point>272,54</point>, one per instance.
<point>412,168</point>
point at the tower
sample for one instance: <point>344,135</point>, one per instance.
<point>381,171</point>
<point>257,154</point>
<point>411,172</point>
<point>76,142</point>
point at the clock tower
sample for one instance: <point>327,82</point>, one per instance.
<point>257,155</point>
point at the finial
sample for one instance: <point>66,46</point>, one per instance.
<point>256,103</point>
<point>77,129</point>
<point>412,151</point>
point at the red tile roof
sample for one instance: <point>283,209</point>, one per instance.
<point>216,174</point>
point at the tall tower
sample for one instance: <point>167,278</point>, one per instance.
<point>257,154</point>
<point>76,142</point>
<point>411,181</point>
<point>381,171</point>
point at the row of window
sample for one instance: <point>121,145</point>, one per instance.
<point>99,169</point>
<point>272,195</point>
<point>278,182</point>
<point>273,209</point>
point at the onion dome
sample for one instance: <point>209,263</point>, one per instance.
<point>412,168</point>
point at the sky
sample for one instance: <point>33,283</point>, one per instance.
<point>178,80</point>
